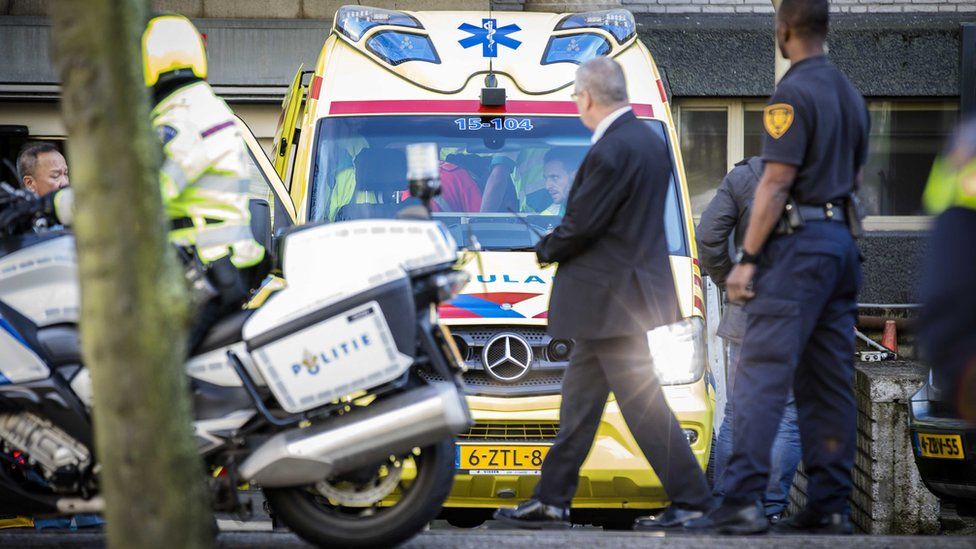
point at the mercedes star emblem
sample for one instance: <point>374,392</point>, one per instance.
<point>507,357</point>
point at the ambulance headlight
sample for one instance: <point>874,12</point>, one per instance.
<point>399,47</point>
<point>619,23</point>
<point>678,351</point>
<point>354,21</point>
<point>575,48</point>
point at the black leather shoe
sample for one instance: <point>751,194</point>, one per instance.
<point>808,522</point>
<point>741,519</point>
<point>672,518</point>
<point>535,515</point>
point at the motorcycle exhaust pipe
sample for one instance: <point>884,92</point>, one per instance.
<point>387,427</point>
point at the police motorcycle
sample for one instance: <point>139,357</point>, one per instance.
<point>316,396</point>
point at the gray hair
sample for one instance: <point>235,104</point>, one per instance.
<point>603,78</point>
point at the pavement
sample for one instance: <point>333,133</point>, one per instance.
<point>490,535</point>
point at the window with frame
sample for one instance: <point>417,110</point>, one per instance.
<point>906,136</point>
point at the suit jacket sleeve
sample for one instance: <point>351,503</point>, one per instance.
<point>591,207</point>
<point>717,223</point>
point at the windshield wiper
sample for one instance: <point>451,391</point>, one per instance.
<point>526,223</point>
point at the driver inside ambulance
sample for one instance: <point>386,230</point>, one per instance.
<point>558,171</point>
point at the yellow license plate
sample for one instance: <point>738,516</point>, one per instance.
<point>941,446</point>
<point>489,459</point>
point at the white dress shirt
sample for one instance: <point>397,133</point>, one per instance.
<point>601,128</point>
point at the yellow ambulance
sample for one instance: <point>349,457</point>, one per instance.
<point>494,91</point>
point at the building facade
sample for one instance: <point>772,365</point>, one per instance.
<point>717,57</point>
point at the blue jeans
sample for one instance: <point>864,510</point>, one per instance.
<point>786,448</point>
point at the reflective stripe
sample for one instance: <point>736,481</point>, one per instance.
<point>217,128</point>
<point>223,184</point>
<point>223,235</point>
<point>247,254</point>
<point>173,171</point>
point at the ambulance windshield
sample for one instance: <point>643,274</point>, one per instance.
<point>504,180</point>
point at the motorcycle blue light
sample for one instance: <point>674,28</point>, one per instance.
<point>574,48</point>
<point>399,47</point>
<point>354,21</point>
<point>619,23</point>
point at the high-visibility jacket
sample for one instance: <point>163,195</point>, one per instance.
<point>953,178</point>
<point>205,178</point>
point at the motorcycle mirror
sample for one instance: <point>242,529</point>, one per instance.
<point>423,172</point>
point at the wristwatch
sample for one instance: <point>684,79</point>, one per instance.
<point>743,256</point>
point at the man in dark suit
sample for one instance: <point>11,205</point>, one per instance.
<point>614,283</point>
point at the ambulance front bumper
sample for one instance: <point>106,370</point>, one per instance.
<point>615,475</point>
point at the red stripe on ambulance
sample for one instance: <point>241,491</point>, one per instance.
<point>464,106</point>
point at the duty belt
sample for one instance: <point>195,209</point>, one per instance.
<point>827,212</point>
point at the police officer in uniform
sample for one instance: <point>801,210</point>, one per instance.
<point>799,273</point>
<point>947,327</point>
<point>204,178</point>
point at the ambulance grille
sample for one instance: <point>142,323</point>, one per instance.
<point>536,383</point>
<point>544,378</point>
<point>512,432</point>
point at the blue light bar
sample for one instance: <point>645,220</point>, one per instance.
<point>575,48</point>
<point>354,21</point>
<point>619,23</point>
<point>399,47</point>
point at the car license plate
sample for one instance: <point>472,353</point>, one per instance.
<point>940,446</point>
<point>493,459</point>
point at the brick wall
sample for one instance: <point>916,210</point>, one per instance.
<point>262,9</point>
<point>889,497</point>
<point>324,9</point>
<point>765,6</point>
<point>742,6</point>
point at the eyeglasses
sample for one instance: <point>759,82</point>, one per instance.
<point>574,96</point>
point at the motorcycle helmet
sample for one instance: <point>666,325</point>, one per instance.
<point>172,50</point>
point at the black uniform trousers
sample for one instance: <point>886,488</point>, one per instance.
<point>947,326</point>
<point>622,365</point>
<point>800,334</point>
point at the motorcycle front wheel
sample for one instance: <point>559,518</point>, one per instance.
<point>318,518</point>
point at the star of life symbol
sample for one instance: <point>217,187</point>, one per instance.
<point>490,36</point>
<point>507,357</point>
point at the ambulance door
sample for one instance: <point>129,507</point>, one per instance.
<point>288,131</point>
<point>271,206</point>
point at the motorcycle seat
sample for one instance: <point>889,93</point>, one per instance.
<point>226,331</point>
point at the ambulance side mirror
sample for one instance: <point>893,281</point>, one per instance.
<point>261,221</point>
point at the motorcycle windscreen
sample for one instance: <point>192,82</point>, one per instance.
<point>330,359</point>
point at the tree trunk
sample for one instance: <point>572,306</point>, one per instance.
<point>134,306</point>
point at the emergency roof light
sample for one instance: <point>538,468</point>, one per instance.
<point>619,23</point>
<point>399,47</point>
<point>354,21</point>
<point>575,48</point>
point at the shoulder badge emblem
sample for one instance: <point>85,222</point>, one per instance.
<point>166,133</point>
<point>778,118</point>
